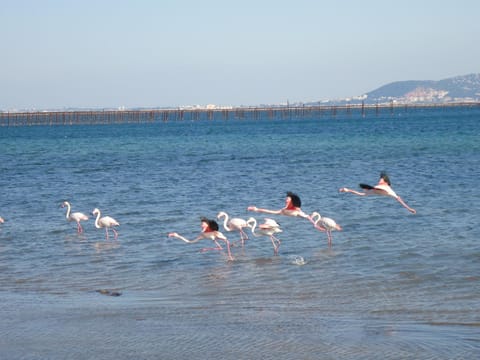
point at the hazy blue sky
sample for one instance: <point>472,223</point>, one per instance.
<point>141,53</point>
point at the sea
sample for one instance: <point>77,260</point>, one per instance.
<point>393,285</point>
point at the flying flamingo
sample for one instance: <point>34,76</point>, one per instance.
<point>234,224</point>
<point>325,224</point>
<point>211,235</point>
<point>105,222</point>
<point>76,216</point>
<point>383,187</point>
<point>292,207</point>
<point>268,228</point>
<point>209,231</point>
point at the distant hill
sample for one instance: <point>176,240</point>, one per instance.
<point>465,88</point>
<point>458,88</point>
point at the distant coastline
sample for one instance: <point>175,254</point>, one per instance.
<point>111,116</point>
<point>455,91</point>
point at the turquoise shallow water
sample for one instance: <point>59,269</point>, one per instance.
<point>394,285</point>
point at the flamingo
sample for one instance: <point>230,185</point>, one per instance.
<point>383,187</point>
<point>105,222</point>
<point>234,224</point>
<point>268,228</point>
<point>326,224</point>
<point>76,216</point>
<point>212,235</point>
<point>1,220</point>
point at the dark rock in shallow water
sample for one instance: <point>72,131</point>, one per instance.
<point>109,292</point>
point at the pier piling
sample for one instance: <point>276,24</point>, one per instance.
<point>100,117</point>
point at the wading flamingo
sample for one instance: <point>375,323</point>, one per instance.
<point>382,188</point>
<point>105,222</point>
<point>209,231</point>
<point>234,224</point>
<point>76,216</point>
<point>325,224</point>
<point>268,228</point>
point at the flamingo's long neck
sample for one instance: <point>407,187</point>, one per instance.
<point>254,221</point>
<point>225,223</point>
<point>317,216</point>
<point>68,211</point>
<point>97,225</point>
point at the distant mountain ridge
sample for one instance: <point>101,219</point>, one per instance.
<point>458,88</point>
<point>464,88</point>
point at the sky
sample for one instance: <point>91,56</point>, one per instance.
<point>169,53</point>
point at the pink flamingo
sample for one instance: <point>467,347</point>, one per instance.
<point>209,231</point>
<point>234,224</point>
<point>105,222</point>
<point>292,207</point>
<point>326,224</point>
<point>76,216</point>
<point>268,228</point>
<point>1,220</point>
<point>383,187</point>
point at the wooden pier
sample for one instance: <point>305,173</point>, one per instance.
<point>99,117</point>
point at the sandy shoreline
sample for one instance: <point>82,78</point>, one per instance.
<point>102,327</point>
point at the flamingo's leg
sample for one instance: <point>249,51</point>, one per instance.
<point>208,249</point>
<point>275,250</point>
<point>235,243</point>
<point>230,257</point>
<point>243,236</point>
<point>219,247</point>
<point>275,243</point>
<point>278,241</point>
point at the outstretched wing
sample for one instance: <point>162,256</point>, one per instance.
<point>366,187</point>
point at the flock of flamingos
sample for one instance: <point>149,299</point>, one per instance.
<point>269,228</point>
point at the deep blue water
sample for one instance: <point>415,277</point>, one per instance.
<point>394,284</point>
